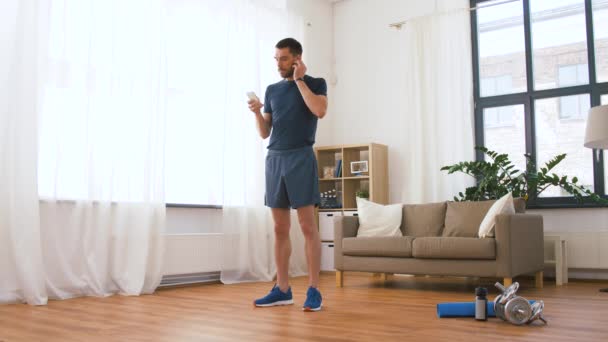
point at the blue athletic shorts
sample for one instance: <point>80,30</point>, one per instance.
<point>291,178</point>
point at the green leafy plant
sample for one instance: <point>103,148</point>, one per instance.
<point>362,193</point>
<point>499,176</point>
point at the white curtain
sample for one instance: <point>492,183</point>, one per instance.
<point>91,114</point>
<point>439,102</point>
<point>102,147</point>
<point>248,239</point>
<point>22,27</point>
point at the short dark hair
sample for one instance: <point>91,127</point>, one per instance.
<point>294,46</point>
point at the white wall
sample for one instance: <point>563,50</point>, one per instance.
<point>367,101</point>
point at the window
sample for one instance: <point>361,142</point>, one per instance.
<point>496,85</point>
<point>576,106</point>
<point>534,83</point>
<point>498,116</point>
<point>506,138</point>
<point>558,38</point>
<point>555,136</point>
<point>501,47</point>
<point>573,107</point>
<point>600,35</point>
<point>111,67</point>
<point>570,75</point>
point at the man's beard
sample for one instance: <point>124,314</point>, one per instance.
<point>286,73</point>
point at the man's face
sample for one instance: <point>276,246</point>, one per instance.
<point>285,62</point>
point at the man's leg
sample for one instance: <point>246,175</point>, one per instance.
<point>282,246</point>
<point>306,217</point>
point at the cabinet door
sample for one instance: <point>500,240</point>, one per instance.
<point>326,224</point>
<point>327,256</point>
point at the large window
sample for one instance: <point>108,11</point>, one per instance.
<point>539,65</point>
<point>113,68</point>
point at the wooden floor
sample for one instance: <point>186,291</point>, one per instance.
<point>364,310</point>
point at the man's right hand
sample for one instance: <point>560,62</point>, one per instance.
<point>255,106</point>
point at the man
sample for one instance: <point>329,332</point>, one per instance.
<point>291,110</point>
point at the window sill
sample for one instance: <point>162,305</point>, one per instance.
<point>563,203</point>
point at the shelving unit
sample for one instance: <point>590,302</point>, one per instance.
<point>375,181</point>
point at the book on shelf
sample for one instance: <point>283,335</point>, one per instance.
<point>338,172</point>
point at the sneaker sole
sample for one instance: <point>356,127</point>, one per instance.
<point>309,309</point>
<point>278,303</point>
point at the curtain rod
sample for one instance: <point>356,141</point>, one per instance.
<point>398,25</point>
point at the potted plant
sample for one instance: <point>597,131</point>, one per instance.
<point>499,176</point>
<point>362,193</point>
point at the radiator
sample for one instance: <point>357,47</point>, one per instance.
<point>191,258</point>
<point>586,250</point>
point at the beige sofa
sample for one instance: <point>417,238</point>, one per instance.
<point>441,239</point>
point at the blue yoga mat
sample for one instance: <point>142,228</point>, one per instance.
<point>463,309</point>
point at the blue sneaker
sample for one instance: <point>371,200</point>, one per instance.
<point>275,297</point>
<point>313,300</point>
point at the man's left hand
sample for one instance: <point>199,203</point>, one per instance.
<point>299,69</point>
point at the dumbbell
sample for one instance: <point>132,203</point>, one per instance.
<point>515,309</point>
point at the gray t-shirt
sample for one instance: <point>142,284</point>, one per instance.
<point>293,124</point>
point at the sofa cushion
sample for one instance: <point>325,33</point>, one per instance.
<point>423,219</point>
<point>377,220</point>
<point>462,219</point>
<point>454,248</point>
<point>504,205</point>
<point>394,246</point>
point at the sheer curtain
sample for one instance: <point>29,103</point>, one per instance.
<point>83,131</point>
<point>101,148</point>
<point>248,239</point>
<point>439,98</point>
<point>22,35</point>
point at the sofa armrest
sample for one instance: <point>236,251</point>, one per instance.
<point>344,227</point>
<point>519,244</point>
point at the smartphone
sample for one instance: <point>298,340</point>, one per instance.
<point>252,96</point>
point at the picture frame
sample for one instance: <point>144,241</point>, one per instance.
<point>359,167</point>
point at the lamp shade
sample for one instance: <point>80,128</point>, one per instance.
<point>596,135</point>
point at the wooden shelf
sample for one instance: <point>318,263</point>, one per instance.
<point>375,181</point>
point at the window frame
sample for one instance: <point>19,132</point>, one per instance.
<point>528,98</point>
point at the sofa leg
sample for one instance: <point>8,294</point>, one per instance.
<point>539,279</point>
<point>383,277</point>
<point>339,278</point>
<point>507,282</point>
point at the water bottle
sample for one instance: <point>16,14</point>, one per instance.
<point>481,304</point>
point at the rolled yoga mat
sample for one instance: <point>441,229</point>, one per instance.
<point>463,309</point>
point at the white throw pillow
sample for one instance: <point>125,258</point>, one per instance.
<point>377,219</point>
<point>503,205</point>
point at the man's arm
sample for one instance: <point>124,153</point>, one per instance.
<point>263,122</point>
<point>316,103</point>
